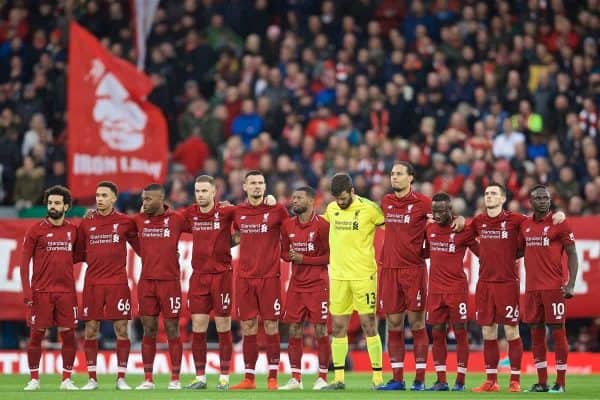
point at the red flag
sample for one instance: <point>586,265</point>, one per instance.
<point>114,133</point>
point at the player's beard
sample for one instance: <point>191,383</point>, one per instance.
<point>299,210</point>
<point>346,205</point>
<point>55,214</point>
<point>543,209</point>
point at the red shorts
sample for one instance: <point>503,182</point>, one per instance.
<point>447,307</point>
<point>210,292</point>
<point>547,306</point>
<point>106,302</point>
<point>53,309</point>
<point>157,297</point>
<point>258,296</point>
<point>497,302</point>
<point>402,289</point>
<point>307,306</point>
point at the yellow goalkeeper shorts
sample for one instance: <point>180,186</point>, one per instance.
<point>347,296</point>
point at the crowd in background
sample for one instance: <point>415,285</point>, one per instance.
<point>468,91</point>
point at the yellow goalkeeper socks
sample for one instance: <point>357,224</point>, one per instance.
<point>374,348</point>
<point>339,350</point>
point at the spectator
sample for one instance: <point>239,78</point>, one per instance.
<point>35,135</point>
<point>505,142</point>
<point>29,185</point>
<point>58,174</point>
<point>450,81</point>
<point>192,154</point>
<point>248,124</point>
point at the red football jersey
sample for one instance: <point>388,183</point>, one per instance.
<point>405,220</point>
<point>544,244</point>
<point>52,248</point>
<point>312,241</point>
<point>446,254</point>
<point>211,233</point>
<point>498,245</point>
<point>260,247</point>
<point>159,237</point>
<point>102,240</point>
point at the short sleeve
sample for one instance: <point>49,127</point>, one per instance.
<point>377,215</point>
<point>426,205</point>
<point>520,239</point>
<point>326,216</point>
<point>565,234</point>
<point>283,213</point>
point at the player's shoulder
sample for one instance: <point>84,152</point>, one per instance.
<point>243,208</point>
<point>516,216</point>
<point>68,224</point>
<point>430,228</point>
<point>39,226</point>
<point>479,219</point>
<point>280,208</point>
<point>227,210</point>
<point>138,217</point>
<point>187,210</point>
<point>177,214</point>
<point>388,198</point>
<point>527,221</point>
<point>122,217</point>
<point>421,198</point>
<point>321,220</point>
<point>289,223</point>
<point>368,203</point>
<point>333,205</point>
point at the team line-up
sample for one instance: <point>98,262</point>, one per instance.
<point>334,272</point>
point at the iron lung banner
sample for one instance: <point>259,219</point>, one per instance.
<point>114,133</point>
<point>584,304</point>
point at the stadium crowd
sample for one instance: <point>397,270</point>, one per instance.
<point>468,91</point>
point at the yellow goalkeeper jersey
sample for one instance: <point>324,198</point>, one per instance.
<point>351,236</point>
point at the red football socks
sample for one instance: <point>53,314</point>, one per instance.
<point>34,352</point>
<point>175,353</point>
<point>515,354</point>
<point>69,348</point>
<point>561,352</point>
<point>396,351</point>
<point>90,348</point>
<point>462,354</point>
<point>225,350</point>
<point>538,348</point>
<point>199,352</point>
<point>491,357</point>
<point>324,349</point>
<point>148,354</point>
<point>273,354</point>
<point>295,356</point>
<point>250,350</point>
<point>440,353</point>
<point>421,348</point>
<point>123,348</point>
